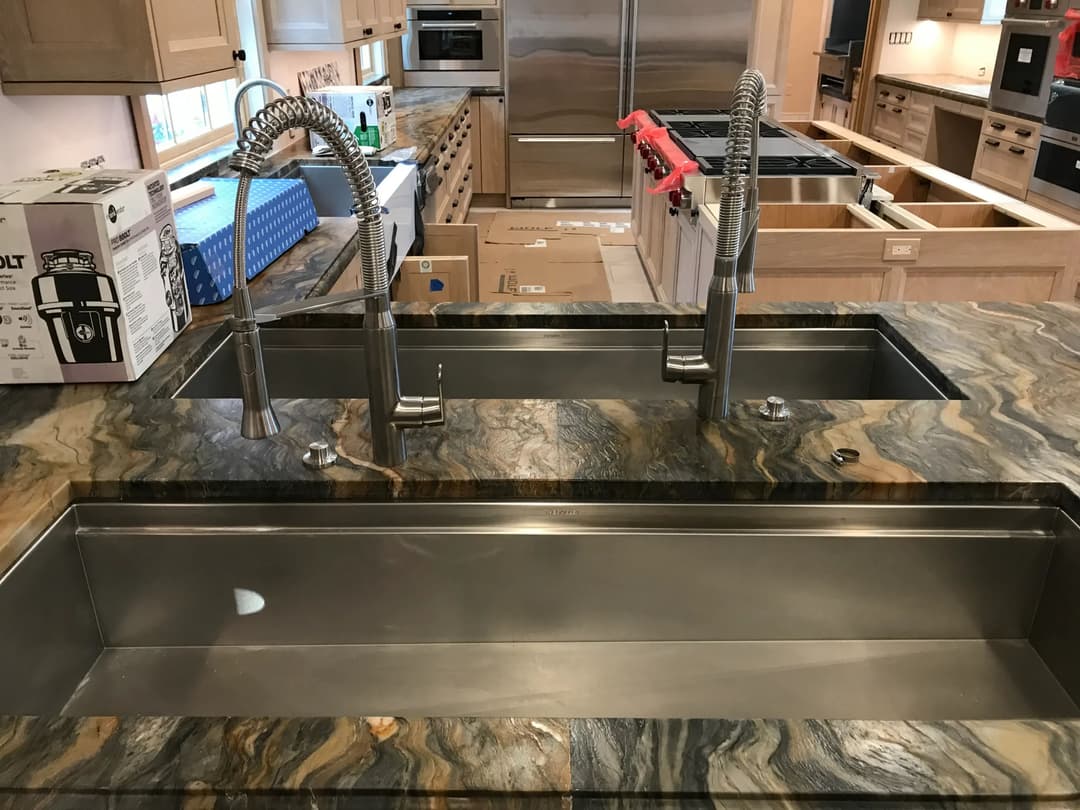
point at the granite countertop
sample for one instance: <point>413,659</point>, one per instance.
<point>948,85</point>
<point>423,115</point>
<point>1016,436</point>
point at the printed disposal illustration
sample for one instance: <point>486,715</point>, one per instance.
<point>172,275</point>
<point>80,306</point>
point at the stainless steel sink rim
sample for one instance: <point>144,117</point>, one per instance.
<point>800,364</point>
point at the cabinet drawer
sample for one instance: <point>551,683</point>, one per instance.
<point>889,123</point>
<point>894,96</point>
<point>1015,130</point>
<point>1005,166</point>
<point>914,142</point>
<point>918,121</point>
<point>566,166</point>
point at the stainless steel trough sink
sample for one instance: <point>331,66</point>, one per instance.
<point>546,609</point>
<point>574,364</point>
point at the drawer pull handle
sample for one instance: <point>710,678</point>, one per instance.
<point>1024,133</point>
<point>1016,150</point>
<point>900,97</point>
<point>897,109</point>
<point>884,94</point>
<point>992,142</point>
<point>997,125</point>
<point>881,104</point>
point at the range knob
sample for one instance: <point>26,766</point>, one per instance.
<point>660,172</point>
<point>652,163</point>
<point>643,149</point>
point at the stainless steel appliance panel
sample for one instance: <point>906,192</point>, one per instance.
<point>566,165</point>
<point>564,66</point>
<point>1057,172</point>
<point>1025,66</point>
<point>458,39</point>
<point>687,53</point>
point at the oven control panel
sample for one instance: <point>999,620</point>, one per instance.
<point>1038,8</point>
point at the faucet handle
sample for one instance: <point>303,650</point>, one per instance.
<point>415,412</point>
<point>681,368</point>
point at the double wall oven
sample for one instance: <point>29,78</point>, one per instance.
<point>1025,84</point>
<point>1057,167</point>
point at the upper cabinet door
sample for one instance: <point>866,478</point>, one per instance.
<point>85,41</point>
<point>195,36</point>
<point>360,18</point>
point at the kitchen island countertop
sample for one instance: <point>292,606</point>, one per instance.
<point>1015,436</point>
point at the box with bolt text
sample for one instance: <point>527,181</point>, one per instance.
<point>92,285</point>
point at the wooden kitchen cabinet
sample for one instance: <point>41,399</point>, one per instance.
<point>330,24</point>
<point>1005,166</point>
<point>492,124</point>
<point>888,123</point>
<point>970,11</point>
<point>1007,152</point>
<point>390,15</point>
<point>115,47</point>
<point>835,110</point>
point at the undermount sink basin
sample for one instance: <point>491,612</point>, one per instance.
<point>574,364</point>
<point>546,610</point>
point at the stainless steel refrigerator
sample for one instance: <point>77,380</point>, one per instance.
<point>574,67</point>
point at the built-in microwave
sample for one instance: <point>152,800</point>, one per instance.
<point>462,46</point>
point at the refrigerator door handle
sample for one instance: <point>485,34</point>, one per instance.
<point>630,64</point>
<point>567,139</point>
<point>624,64</point>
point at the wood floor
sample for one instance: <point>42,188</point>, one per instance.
<point>626,275</point>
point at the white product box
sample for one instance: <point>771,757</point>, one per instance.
<point>368,112</point>
<point>92,287</point>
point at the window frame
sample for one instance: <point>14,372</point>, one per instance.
<point>154,158</point>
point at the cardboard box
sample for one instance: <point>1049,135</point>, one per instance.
<point>367,111</point>
<point>437,279</point>
<point>528,226</point>
<point>280,214</point>
<point>567,269</point>
<point>92,284</point>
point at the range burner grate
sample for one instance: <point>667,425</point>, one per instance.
<point>719,129</point>
<point>706,111</point>
<point>779,166</point>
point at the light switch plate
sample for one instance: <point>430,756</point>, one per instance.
<point>902,250</point>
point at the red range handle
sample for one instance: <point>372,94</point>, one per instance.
<point>639,119</point>
<point>660,140</point>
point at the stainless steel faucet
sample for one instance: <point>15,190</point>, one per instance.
<point>242,90</point>
<point>391,413</point>
<point>733,266</point>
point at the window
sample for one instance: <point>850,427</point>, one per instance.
<point>371,63</point>
<point>187,121</point>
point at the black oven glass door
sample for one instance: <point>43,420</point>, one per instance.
<point>1027,57</point>
<point>1059,165</point>
<point>457,44</point>
<point>1063,111</point>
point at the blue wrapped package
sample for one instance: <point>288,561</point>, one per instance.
<point>280,214</point>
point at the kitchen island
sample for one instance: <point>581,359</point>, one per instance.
<point>1010,432</point>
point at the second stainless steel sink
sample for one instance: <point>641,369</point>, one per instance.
<point>576,364</point>
<point>914,612</point>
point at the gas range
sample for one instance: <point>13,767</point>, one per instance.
<point>791,167</point>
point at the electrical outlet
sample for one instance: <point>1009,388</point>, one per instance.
<point>901,250</point>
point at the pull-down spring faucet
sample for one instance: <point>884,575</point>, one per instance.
<point>391,413</point>
<point>733,266</point>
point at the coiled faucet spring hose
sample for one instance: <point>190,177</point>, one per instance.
<point>748,106</point>
<point>252,148</point>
